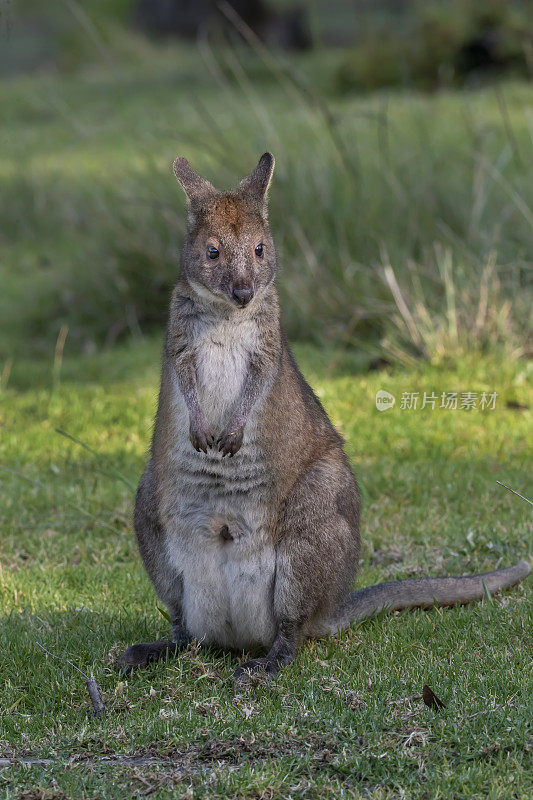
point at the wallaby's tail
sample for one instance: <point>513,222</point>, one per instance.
<point>424,593</point>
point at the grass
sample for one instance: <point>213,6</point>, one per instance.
<point>436,190</point>
<point>344,719</point>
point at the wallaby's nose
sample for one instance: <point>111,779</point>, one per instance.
<point>243,295</point>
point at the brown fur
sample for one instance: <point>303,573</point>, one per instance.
<point>247,515</point>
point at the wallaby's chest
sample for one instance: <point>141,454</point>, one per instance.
<point>222,355</point>
<point>207,480</point>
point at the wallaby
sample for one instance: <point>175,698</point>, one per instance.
<point>247,514</point>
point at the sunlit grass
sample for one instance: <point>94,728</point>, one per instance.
<point>434,190</point>
<point>345,717</point>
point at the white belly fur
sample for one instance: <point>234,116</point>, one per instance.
<point>227,586</point>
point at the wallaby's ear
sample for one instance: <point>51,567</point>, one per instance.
<point>257,183</point>
<point>195,187</point>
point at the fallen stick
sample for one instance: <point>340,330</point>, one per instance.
<point>96,697</point>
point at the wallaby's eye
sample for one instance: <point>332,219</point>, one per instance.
<point>259,250</point>
<point>212,253</point>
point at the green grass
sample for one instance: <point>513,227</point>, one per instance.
<point>439,188</point>
<point>341,721</point>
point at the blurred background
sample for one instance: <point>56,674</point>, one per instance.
<point>402,204</point>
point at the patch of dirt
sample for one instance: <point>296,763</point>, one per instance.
<point>149,769</point>
<point>41,794</point>
<point>228,751</point>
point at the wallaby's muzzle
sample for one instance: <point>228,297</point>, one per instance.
<point>243,295</point>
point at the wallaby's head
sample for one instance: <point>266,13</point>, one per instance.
<point>228,253</point>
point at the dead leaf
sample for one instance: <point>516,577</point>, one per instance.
<point>431,699</point>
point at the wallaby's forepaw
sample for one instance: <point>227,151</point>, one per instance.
<point>230,441</point>
<point>255,671</point>
<point>140,655</point>
<point>201,435</point>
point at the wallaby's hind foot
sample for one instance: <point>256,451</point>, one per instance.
<point>281,654</point>
<point>256,669</point>
<point>139,656</point>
